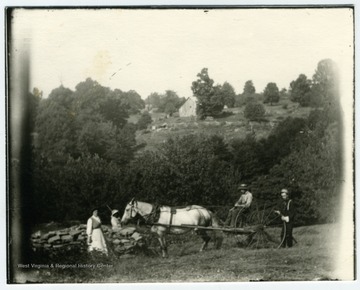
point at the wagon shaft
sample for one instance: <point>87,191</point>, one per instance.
<point>245,231</point>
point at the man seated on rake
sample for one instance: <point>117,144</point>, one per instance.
<point>237,214</point>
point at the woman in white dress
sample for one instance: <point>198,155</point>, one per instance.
<point>95,240</point>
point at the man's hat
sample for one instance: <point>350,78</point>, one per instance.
<point>243,186</point>
<point>114,211</point>
<point>284,190</point>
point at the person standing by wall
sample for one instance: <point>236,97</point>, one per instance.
<point>287,212</point>
<point>95,237</point>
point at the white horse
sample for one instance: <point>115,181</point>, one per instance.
<point>164,219</point>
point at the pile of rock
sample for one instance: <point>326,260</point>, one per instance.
<point>124,241</point>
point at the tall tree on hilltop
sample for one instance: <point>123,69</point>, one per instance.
<point>249,88</point>
<point>271,93</point>
<point>210,101</point>
<point>248,95</point>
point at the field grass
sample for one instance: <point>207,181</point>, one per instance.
<point>311,258</point>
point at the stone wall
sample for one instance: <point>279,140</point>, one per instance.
<point>121,242</point>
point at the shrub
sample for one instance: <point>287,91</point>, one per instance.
<point>254,111</point>
<point>144,121</point>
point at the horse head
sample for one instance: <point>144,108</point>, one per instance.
<point>130,211</point>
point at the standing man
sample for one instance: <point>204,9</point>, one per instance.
<point>241,207</point>
<point>287,212</point>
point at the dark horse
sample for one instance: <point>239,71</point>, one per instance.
<point>174,221</point>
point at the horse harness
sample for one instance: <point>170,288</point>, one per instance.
<point>154,216</point>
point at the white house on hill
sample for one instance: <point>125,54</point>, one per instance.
<point>188,109</point>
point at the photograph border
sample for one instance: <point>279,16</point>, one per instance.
<point>201,5</point>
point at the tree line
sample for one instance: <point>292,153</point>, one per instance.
<point>313,92</point>
<point>85,154</point>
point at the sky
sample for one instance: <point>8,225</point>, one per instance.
<point>156,50</point>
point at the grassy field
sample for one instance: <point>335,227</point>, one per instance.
<point>232,125</point>
<point>312,258</point>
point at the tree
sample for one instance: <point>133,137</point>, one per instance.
<point>271,93</point>
<point>170,109</point>
<point>184,170</point>
<point>228,94</point>
<point>283,93</point>
<point>245,157</point>
<point>280,142</point>
<point>131,100</point>
<point>144,121</point>
<point>313,170</point>
<point>254,111</point>
<point>153,100</point>
<point>68,191</point>
<point>325,79</point>
<point>114,110</point>
<point>210,101</point>
<point>170,102</point>
<point>300,90</point>
<point>248,94</point>
<point>91,120</point>
<point>123,147</point>
<point>55,123</point>
<point>249,88</point>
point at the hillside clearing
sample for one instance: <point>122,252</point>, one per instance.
<point>232,125</point>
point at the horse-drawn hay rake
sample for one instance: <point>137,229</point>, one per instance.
<point>252,232</point>
<point>259,228</point>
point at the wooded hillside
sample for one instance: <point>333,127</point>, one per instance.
<point>86,152</point>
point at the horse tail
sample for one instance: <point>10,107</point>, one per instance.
<point>218,235</point>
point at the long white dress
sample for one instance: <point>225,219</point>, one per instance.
<point>94,230</point>
<point>116,226</point>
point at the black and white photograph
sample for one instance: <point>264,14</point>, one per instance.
<point>180,144</point>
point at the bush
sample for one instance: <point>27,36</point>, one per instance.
<point>254,111</point>
<point>144,121</point>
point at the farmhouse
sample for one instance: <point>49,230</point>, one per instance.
<point>188,109</point>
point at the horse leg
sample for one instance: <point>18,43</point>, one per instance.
<point>205,238</point>
<point>163,246</point>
